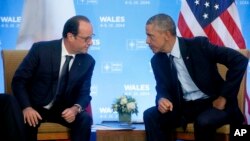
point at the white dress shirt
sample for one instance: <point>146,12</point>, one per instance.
<point>63,58</point>
<point>190,90</point>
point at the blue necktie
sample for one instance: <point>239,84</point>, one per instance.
<point>176,83</point>
<point>173,68</point>
<point>63,79</point>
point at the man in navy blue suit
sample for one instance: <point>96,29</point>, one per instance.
<point>188,85</point>
<point>37,81</point>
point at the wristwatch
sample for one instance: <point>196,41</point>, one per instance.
<point>79,107</point>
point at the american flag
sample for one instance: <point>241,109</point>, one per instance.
<point>216,19</point>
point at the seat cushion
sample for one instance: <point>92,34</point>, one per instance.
<point>225,129</point>
<point>49,127</point>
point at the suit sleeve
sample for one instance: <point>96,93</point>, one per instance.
<point>23,75</point>
<point>84,97</point>
<point>161,77</point>
<point>236,64</point>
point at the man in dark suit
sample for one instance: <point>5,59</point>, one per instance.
<point>11,120</point>
<point>37,83</point>
<point>188,85</point>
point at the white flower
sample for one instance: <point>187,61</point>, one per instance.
<point>131,106</point>
<point>115,107</point>
<point>124,101</point>
<point>125,104</point>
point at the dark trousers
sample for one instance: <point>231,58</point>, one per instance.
<point>80,128</point>
<point>11,120</point>
<point>206,120</point>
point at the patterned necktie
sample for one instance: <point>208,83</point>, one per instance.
<point>176,83</point>
<point>173,67</point>
<point>63,80</point>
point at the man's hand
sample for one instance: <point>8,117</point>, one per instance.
<point>69,114</point>
<point>164,105</point>
<point>31,116</point>
<point>220,103</point>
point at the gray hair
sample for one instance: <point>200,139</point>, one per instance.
<point>163,22</point>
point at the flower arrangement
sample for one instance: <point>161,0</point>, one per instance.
<point>125,104</point>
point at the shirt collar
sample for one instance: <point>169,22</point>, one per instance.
<point>64,51</point>
<point>176,49</point>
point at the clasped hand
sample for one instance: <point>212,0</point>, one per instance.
<point>164,105</point>
<point>219,103</point>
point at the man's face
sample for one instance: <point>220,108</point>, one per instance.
<point>155,39</point>
<point>83,40</point>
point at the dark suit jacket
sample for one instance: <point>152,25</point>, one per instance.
<point>200,58</point>
<point>35,80</point>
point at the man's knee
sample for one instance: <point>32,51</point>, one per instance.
<point>7,97</point>
<point>147,113</point>
<point>202,123</point>
<point>8,100</point>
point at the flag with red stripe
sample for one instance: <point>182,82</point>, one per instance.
<point>216,19</point>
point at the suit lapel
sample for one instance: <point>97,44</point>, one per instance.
<point>75,69</point>
<point>185,53</point>
<point>78,69</point>
<point>54,54</point>
<point>56,59</point>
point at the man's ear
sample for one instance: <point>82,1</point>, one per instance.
<point>167,35</point>
<point>70,36</point>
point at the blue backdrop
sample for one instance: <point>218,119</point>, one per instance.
<point>119,48</point>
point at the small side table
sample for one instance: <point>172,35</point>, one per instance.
<point>137,134</point>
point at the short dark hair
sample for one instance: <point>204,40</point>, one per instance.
<point>163,22</point>
<point>72,24</point>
